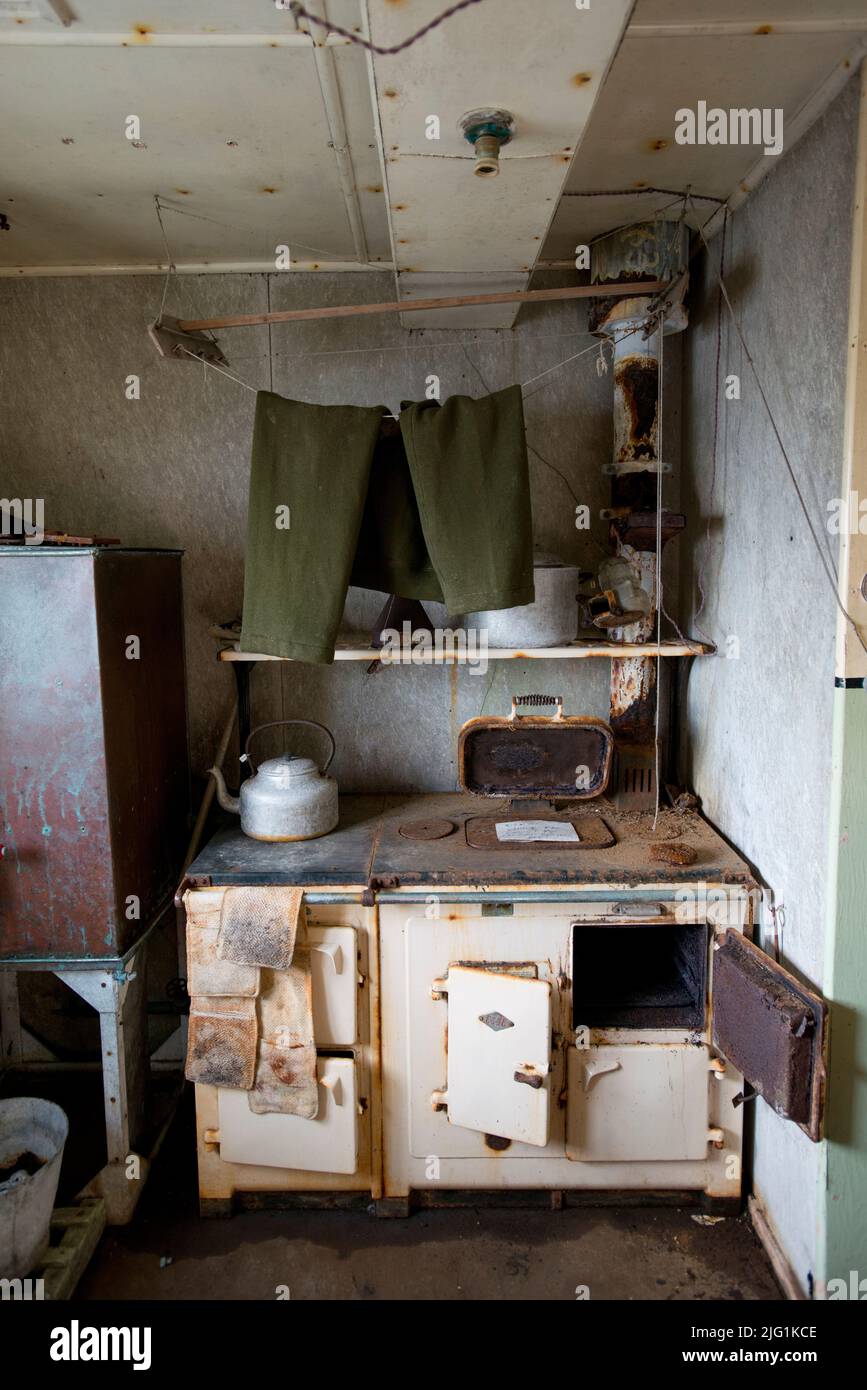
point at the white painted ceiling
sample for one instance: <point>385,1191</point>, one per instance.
<point>240,115</point>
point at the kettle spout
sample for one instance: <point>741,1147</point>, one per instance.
<point>228,803</point>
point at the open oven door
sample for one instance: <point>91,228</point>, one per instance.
<point>772,1029</point>
<point>499,1053</point>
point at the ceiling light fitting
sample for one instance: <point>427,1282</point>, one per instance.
<point>486,130</point>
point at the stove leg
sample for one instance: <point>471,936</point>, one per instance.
<point>391,1208</point>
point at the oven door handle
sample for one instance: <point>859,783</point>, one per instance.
<point>594,1069</point>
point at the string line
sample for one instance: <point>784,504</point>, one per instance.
<point>829,572</point>
<point>659,596</point>
<point>299,12</point>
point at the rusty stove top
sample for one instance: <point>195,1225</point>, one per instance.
<point>368,848</point>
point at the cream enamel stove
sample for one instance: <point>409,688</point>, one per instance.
<point>563,1016</point>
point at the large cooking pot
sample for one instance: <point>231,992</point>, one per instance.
<point>550,621</point>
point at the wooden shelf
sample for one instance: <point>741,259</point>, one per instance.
<point>575,651</point>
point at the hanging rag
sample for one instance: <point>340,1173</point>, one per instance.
<point>285,1080</point>
<point>440,511</point>
<point>209,975</point>
<point>258,926</point>
<point>251,1009</point>
<point>221,1042</point>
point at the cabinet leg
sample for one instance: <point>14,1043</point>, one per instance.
<point>10,1020</point>
<point>121,1181</point>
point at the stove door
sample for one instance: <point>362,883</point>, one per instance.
<point>326,1144</point>
<point>499,1053</point>
<point>771,1028</point>
<point>637,1103</point>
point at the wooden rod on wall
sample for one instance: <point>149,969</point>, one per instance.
<point>457,301</point>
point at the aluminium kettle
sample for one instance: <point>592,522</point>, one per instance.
<point>287,798</point>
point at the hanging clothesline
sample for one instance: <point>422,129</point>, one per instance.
<point>594,347</point>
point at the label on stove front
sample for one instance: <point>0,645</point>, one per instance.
<point>536,830</point>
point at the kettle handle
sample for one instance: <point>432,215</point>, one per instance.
<point>311,724</point>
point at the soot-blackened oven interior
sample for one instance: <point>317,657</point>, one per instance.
<point>639,976</point>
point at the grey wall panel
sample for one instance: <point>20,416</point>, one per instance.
<point>171,469</point>
<point>758,724</point>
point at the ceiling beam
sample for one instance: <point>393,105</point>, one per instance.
<point>329,86</point>
<point>457,301</point>
<point>74,38</point>
<point>727,28</point>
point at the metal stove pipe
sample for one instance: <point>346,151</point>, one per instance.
<point>658,249</point>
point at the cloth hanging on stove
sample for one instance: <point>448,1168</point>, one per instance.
<point>440,511</point>
<point>258,926</point>
<point>221,1042</point>
<point>253,1029</point>
<point>285,1081</point>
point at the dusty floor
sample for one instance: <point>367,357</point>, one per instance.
<point>617,1253</point>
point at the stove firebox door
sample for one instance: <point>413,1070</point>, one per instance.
<point>499,1053</point>
<point>771,1028</point>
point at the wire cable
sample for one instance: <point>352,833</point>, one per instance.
<point>829,572</point>
<point>659,598</point>
<point>299,12</point>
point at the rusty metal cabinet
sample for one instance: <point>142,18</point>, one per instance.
<point>95,781</point>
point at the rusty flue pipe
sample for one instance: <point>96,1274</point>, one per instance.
<point>660,249</point>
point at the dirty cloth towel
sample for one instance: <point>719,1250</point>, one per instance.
<point>209,975</point>
<point>258,926</point>
<point>285,1081</point>
<point>221,1042</point>
<point>440,511</point>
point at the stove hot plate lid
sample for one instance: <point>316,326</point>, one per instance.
<point>432,829</point>
<point>556,757</point>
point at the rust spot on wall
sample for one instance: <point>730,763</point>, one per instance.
<point>633,698</point>
<point>270,190</point>
<point>67,140</point>
<point>764,29</point>
<point>373,188</point>
<point>389,92</point>
<point>185,192</point>
<point>142,32</point>
<point>636,386</point>
<point>657,144</point>
<point>399,207</point>
<point>581,79</point>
